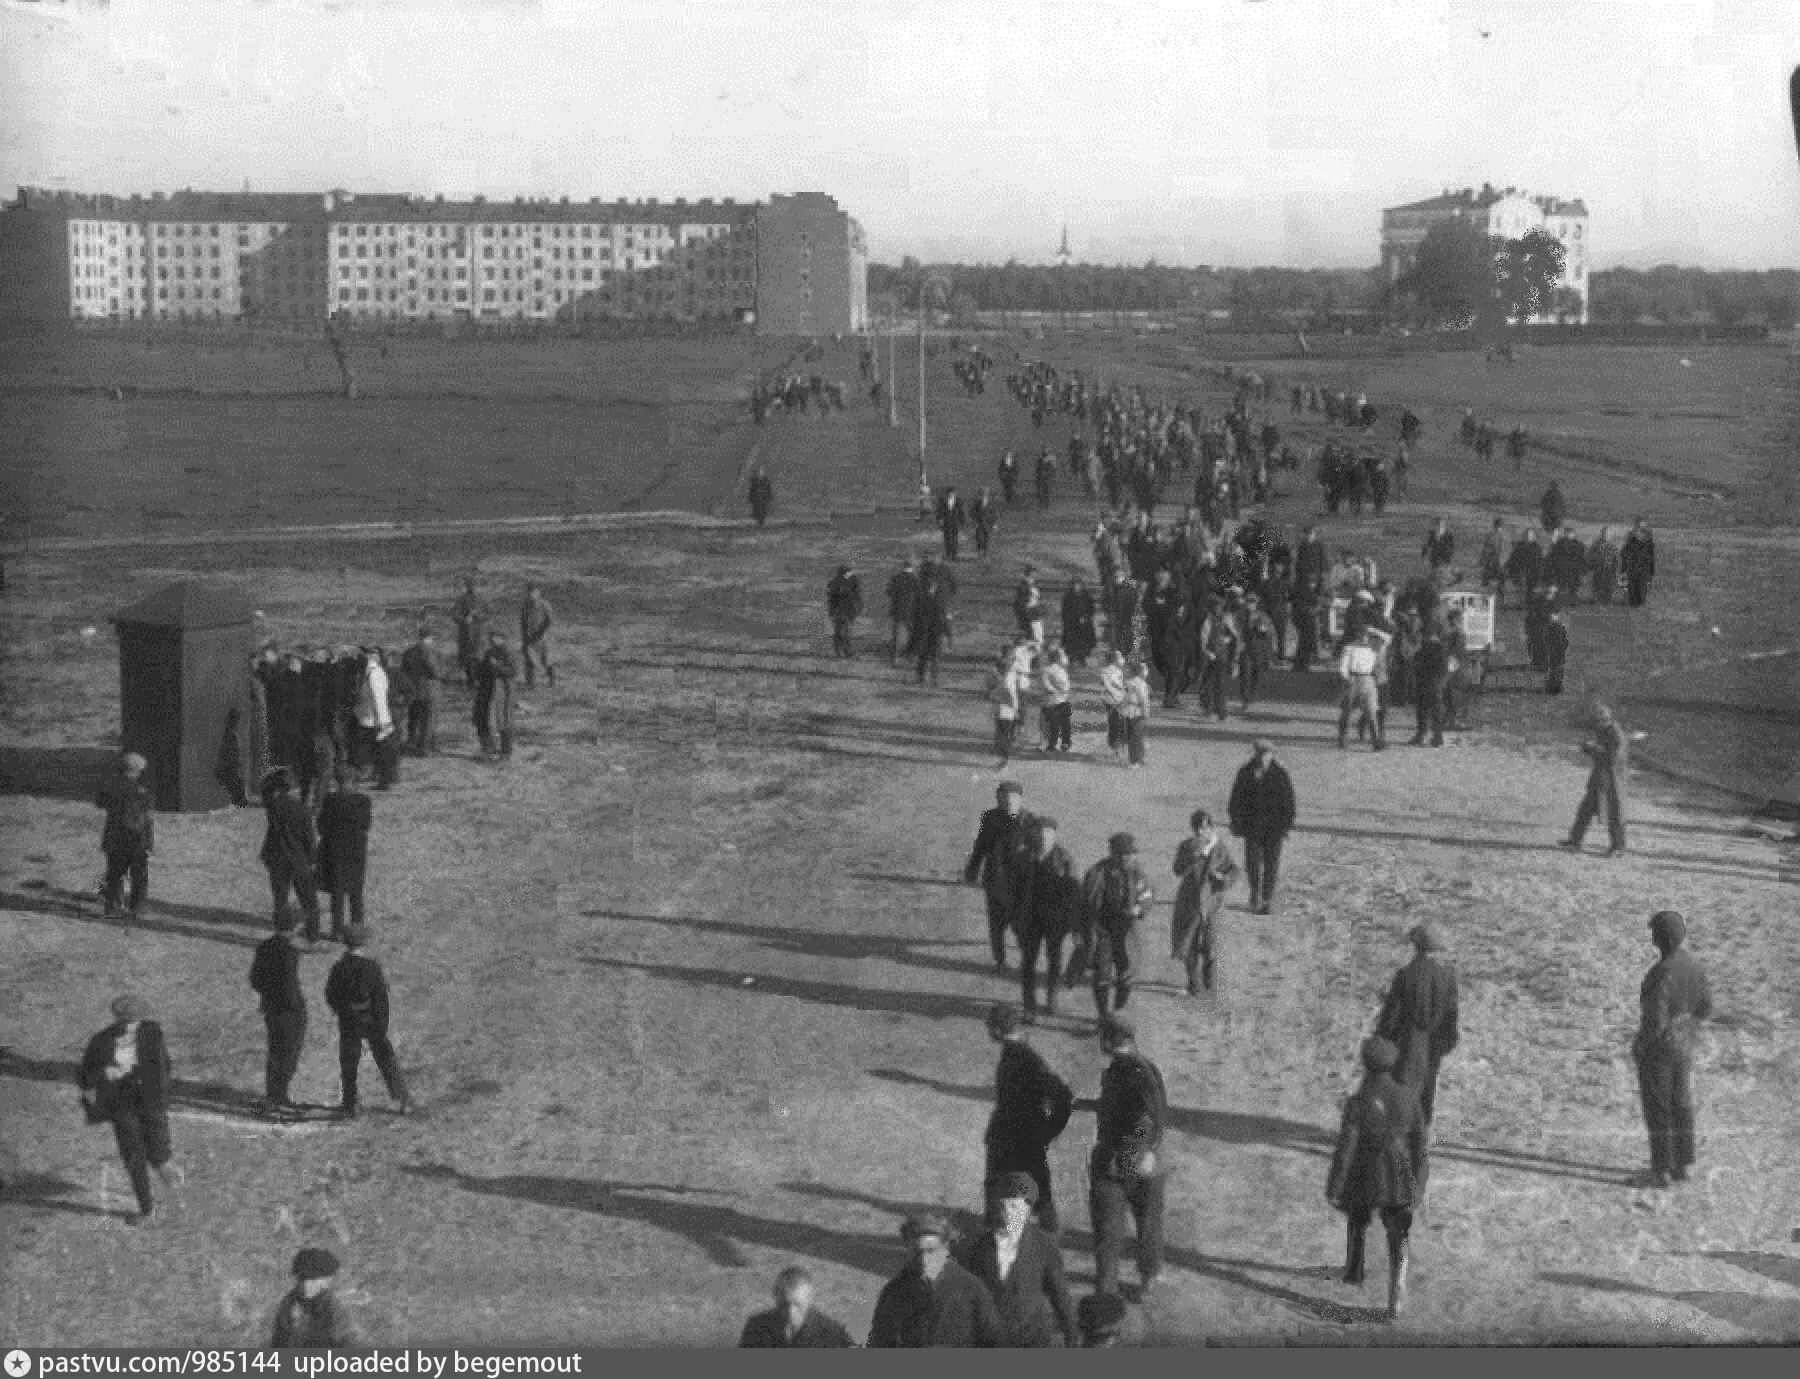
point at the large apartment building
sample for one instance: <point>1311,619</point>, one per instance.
<point>794,265</point>
<point>1504,212</point>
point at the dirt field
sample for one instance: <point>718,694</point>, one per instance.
<point>688,991</point>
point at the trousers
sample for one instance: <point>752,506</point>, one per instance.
<point>421,726</point>
<point>350,1047</point>
<point>1115,959</point>
<point>1059,726</point>
<point>287,1034</point>
<point>118,865</point>
<point>1262,860</point>
<point>1396,1221</point>
<point>1602,796</point>
<point>282,879</point>
<point>1361,696</point>
<point>1109,1199</point>
<point>142,1134</point>
<point>1666,1087</point>
<point>1032,942</point>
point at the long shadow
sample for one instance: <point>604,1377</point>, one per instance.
<point>1751,1311</point>
<point>720,1231</point>
<point>185,1093</point>
<point>1495,844</point>
<point>805,941</point>
<point>898,879</point>
<point>1773,712</point>
<point>929,1005</point>
<point>198,914</point>
<point>65,909</point>
<point>54,773</point>
<point>1781,1268</point>
<point>42,1192</point>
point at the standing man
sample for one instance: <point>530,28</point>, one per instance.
<point>1430,677</point>
<point>1493,557</point>
<point>1637,559</point>
<point>1556,651</point>
<point>1380,1165</point>
<point>124,1080</point>
<point>1021,1268</point>
<point>1057,713</point>
<point>128,835</point>
<point>1552,508</point>
<point>998,861</point>
<point>1028,606</point>
<point>471,630</point>
<point>1112,698</point>
<point>357,992</point>
<point>535,618</point>
<point>275,977</point>
<point>1524,567</point>
<point>902,595</point>
<point>1134,713</point>
<point>493,707</point>
<point>289,850</point>
<point>345,818</point>
<point>1603,568</point>
<point>844,605</point>
<point>1262,814</point>
<point>1439,551</point>
<point>312,1316</point>
<point>1032,1106</point>
<point>1672,1002</point>
<point>985,516</point>
<point>794,1323</point>
<point>762,496</point>
<point>1115,896</point>
<point>1204,864</point>
<point>375,720</point>
<point>1125,1170</point>
<point>1605,748</point>
<point>933,1301</point>
<point>951,520</point>
<point>1360,670</point>
<point>420,666</point>
<point>1078,635</point>
<point>1419,1015</point>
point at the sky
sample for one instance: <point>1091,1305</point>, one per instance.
<point>1189,131</point>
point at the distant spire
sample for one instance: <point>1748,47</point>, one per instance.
<point>1062,255</point>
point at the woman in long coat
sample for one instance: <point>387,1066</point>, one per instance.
<point>1380,1166</point>
<point>1205,867</point>
<point>1078,634</point>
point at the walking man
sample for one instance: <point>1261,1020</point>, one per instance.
<point>1419,1015</point>
<point>1021,1267</point>
<point>471,630</point>
<point>1637,559</point>
<point>535,618</point>
<point>933,1301</point>
<point>128,835</point>
<point>289,850</point>
<point>844,605</point>
<point>1057,712</point>
<point>762,496</point>
<point>1048,911</point>
<point>1032,1106</point>
<point>1380,1165</point>
<point>1204,865</point>
<point>903,596</point>
<point>1125,1170</point>
<point>998,860</point>
<point>345,818</point>
<point>275,978</point>
<point>312,1316</point>
<point>1134,712</point>
<point>124,1080</point>
<point>1556,651</point>
<point>1360,670</point>
<point>420,667</point>
<point>1672,1001</point>
<point>1606,751</point>
<point>794,1323</point>
<point>1261,812</point>
<point>951,520</point>
<point>493,707</point>
<point>1116,895</point>
<point>357,992</point>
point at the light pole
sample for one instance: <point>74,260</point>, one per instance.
<point>932,283</point>
<point>893,399</point>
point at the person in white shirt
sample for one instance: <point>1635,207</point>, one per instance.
<point>1136,711</point>
<point>1003,694</point>
<point>1057,712</point>
<point>1112,695</point>
<point>1359,668</point>
<point>375,719</point>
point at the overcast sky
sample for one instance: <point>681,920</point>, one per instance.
<point>1194,131</point>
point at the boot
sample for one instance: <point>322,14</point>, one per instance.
<point>1397,1282</point>
<point>1353,1253</point>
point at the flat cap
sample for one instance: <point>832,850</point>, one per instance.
<point>1378,1055</point>
<point>356,936</point>
<point>920,1224</point>
<point>1116,1028</point>
<point>129,1008</point>
<point>1263,746</point>
<point>1100,1314</point>
<point>1668,927</point>
<point>1428,937</point>
<point>1005,1186</point>
<point>1009,787</point>
<point>1122,844</point>
<point>314,1262</point>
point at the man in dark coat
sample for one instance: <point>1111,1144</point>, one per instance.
<point>357,992</point>
<point>1430,668</point>
<point>762,495</point>
<point>1419,1015</point>
<point>493,706</point>
<point>289,849</point>
<point>1078,632</point>
<point>1439,549</point>
<point>1556,652</point>
<point>1637,559</point>
<point>535,619</point>
<point>129,834</point>
<point>1524,566</point>
<point>793,1323</point>
<point>345,818</point>
<point>902,596</point>
<point>275,977</point>
<point>1047,913</point>
<point>843,605</point>
<point>1032,1106</point>
<point>1116,895</point>
<point>1261,812</point>
<point>1380,1166</point>
<point>951,519</point>
<point>1566,566</point>
<point>997,862</point>
<point>312,1316</point>
<point>933,1301</point>
<point>124,1079</point>
<point>1603,567</point>
<point>471,630</point>
<point>420,667</point>
<point>1021,1267</point>
<point>1606,752</point>
<point>1125,1170</point>
<point>1672,1001</point>
<point>931,619</point>
<point>1552,508</point>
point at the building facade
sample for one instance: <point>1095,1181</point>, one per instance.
<point>1503,212</point>
<point>794,265</point>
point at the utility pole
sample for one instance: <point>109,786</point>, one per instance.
<point>924,483</point>
<point>893,398</point>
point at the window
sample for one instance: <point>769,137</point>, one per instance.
<point>362,294</point>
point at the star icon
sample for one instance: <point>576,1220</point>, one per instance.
<point>18,1364</point>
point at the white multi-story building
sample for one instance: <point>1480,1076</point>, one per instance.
<point>1503,212</point>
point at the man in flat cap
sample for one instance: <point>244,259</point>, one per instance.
<point>1419,1015</point>
<point>1116,895</point>
<point>290,849</point>
<point>1048,912</point>
<point>997,862</point>
<point>124,1080</point>
<point>346,816</point>
<point>1380,1165</point>
<point>1606,752</point>
<point>1021,1267</point>
<point>793,1323</point>
<point>933,1301</point>
<point>312,1316</point>
<point>1032,1106</point>
<point>129,834</point>
<point>1672,1002</point>
<point>1261,812</point>
<point>275,978</point>
<point>357,992</point>
<point>1125,1170</point>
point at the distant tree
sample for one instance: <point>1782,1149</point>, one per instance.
<point>1451,278</point>
<point>1526,273</point>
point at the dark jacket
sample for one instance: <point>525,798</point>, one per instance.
<point>954,1311</point>
<point>321,1323</point>
<point>357,993</point>
<point>130,815</point>
<point>275,976</point>
<point>1001,852</point>
<point>1673,1000</point>
<point>1130,1115</point>
<point>768,1331</point>
<point>902,594</point>
<point>1381,1154</point>
<point>1033,1299</point>
<point>1310,562</point>
<point>420,667</point>
<point>844,598</point>
<point>1032,1105</point>
<point>345,817</point>
<point>1049,894</point>
<point>1637,557</point>
<point>1419,1017</point>
<point>1262,804</point>
<point>288,839</point>
<point>150,1079</point>
<point>1525,563</point>
<point>1430,666</point>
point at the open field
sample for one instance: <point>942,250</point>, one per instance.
<point>688,992</point>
